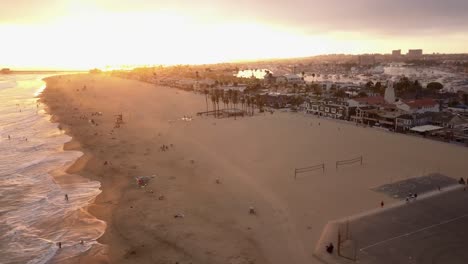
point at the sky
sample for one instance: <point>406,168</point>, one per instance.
<point>83,34</point>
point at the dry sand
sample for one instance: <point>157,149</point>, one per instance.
<point>254,157</point>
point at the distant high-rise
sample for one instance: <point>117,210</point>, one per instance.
<point>396,53</point>
<point>415,53</point>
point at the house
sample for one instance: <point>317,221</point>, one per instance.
<point>449,120</point>
<point>407,121</point>
<point>418,105</point>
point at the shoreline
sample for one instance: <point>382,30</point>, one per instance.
<point>215,226</point>
<point>92,255</point>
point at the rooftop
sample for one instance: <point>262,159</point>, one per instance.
<point>418,103</point>
<point>373,100</point>
<point>425,128</point>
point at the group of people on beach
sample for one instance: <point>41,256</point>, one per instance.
<point>165,147</point>
<point>59,244</point>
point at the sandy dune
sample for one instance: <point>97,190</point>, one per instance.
<point>254,158</point>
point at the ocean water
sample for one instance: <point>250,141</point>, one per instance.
<point>34,214</point>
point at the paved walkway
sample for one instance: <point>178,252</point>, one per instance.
<point>431,229</point>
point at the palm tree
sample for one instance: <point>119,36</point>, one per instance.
<point>229,95</point>
<point>213,101</point>
<point>223,98</point>
<point>205,91</point>
<point>235,98</point>
<point>242,100</point>
<point>217,96</point>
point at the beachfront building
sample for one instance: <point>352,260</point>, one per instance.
<point>332,108</point>
<point>418,106</point>
<point>375,116</point>
<point>449,120</point>
<point>405,122</point>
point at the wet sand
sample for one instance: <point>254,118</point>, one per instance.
<point>254,159</point>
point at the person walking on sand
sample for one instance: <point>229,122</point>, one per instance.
<point>66,197</point>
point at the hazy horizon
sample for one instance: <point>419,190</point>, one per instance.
<point>86,34</point>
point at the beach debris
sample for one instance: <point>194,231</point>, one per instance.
<point>179,215</point>
<point>382,204</point>
<point>218,181</point>
<point>105,162</point>
<point>187,118</point>
<point>252,210</point>
<point>161,197</point>
<point>330,248</point>
<point>142,181</point>
<point>411,196</point>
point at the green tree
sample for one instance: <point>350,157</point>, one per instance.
<point>362,94</point>
<point>435,86</point>
<point>369,85</point>
<point>340,94</point>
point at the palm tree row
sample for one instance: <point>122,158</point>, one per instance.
<point>231,99</point>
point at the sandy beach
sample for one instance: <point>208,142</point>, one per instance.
<point>253,157</point>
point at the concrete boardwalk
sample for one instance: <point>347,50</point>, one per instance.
<point>433,229</point>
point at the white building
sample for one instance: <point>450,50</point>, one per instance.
<point>289,79</point>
